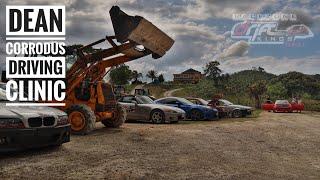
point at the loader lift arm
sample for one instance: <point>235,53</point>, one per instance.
<point>88,97</point>
<point>94,65</point>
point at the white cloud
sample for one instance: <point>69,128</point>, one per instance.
<point>197,41</point>
<point>308,65</point>
<point>239,48</point>
<point>204,9</point>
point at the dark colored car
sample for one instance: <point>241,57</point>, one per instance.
<point>193,111</point>
<point>31,127</point>
<point>200,101</point>
<point>225,107</point>
<point>234,110</point>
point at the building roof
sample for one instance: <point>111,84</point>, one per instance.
<point>190,71</point>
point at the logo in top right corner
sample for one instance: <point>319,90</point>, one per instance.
<point>262,32</point>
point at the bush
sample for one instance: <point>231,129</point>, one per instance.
<point>311,105</point>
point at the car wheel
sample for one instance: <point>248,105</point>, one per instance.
<point>196,115</point>
<point>157,117</point>
<point>237,113</point>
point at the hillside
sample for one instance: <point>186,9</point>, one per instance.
<point>235,87</point>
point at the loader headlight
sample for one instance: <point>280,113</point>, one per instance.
<point>11,123</point>
<point>62,120</point>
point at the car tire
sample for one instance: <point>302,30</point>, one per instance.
<point>157,117</point>
<point>196,114</point>
<point>237,113</point>
<point>118,120</point>
<point>82,119</point>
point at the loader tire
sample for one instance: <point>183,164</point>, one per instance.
<point>82,119</point>
<point>118,120</point>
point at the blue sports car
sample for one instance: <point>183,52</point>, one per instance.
<point>193,111</point>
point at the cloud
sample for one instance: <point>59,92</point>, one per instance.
<point>204,9</point>
<point>303,17</point>
<point>195,25</point>
<point>308,65</point>
<point>239,48</point>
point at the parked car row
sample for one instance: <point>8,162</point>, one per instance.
<point>225,107</point>
<point>174,109</point>
<point>30,127</point>
<point>282,106</point>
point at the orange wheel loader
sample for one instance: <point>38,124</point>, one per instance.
<point>88,97</point>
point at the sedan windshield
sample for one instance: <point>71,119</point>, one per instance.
<point>184,101</point>
<point>282,102</point>
<point>204,102</point>
<point>3,95</point>
<point>144,100</point>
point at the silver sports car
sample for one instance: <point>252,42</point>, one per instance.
<point>143,108</point>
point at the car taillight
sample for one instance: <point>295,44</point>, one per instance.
<point>11,123</point>
<point>62,120</point>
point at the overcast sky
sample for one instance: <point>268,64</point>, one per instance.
<point>200,28</point>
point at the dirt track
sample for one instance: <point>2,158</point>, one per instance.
<point>273,146</point>
<point>170,92</point>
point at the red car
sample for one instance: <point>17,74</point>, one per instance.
<point>282,106</point>
<point>297,106</point>
<point>268,105</point>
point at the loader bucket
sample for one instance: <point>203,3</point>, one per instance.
<point>140,31</point>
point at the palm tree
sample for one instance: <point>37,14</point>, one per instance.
<point>152,74</point>
<point>161,78</point>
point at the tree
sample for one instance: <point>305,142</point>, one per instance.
<point>212,70</point>
<point>261,69</point>
<point>121,75</point>
<point>277,91</point>
<point>161,78</point>
<point>256,90</point>
<point>152,74</point>
<point>136,76</point>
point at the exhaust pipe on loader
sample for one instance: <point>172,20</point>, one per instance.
<point>140,31</point>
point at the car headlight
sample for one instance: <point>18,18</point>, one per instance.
<point>62,120</point>
<point>11,123</point>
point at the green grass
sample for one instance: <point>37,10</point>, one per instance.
<point>311,105</point>
<point>256,113</point>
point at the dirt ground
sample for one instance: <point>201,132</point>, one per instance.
<point>273,146</point>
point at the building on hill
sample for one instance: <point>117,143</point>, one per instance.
<point>188,76</point>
